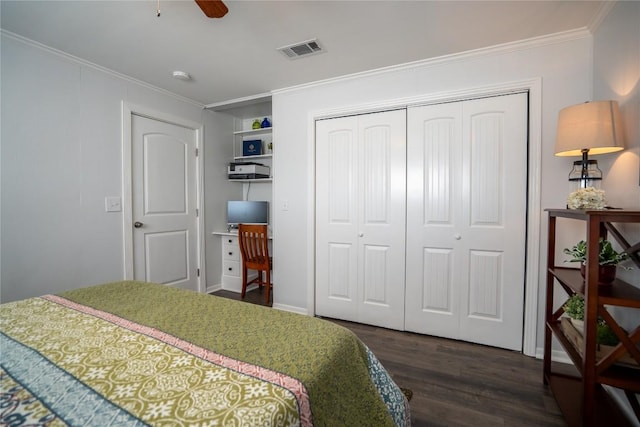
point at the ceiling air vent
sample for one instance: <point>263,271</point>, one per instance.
<point>298,50</point>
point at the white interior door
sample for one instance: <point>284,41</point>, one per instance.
<point>165,247</point>
<point>466,220</point>
<point>360,218</point>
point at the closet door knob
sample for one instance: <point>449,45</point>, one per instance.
<point>361,234</point>
<point>137,224</point>
<point>457,237</point>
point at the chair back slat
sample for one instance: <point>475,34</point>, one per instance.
<point>254,245</point>
<point>254,248</point>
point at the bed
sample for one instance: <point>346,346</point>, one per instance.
<point>132,353</point>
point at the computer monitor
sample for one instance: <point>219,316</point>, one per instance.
<point>247,212</point>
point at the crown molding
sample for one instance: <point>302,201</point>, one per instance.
<point>601,14</point>
<point>88,64</point>
<point>534,42</point>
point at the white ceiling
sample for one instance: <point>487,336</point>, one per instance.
<point>235,56</point>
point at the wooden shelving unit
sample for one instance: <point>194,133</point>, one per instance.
<point>581,397</point>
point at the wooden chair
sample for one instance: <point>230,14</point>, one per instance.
<point>254,248</point>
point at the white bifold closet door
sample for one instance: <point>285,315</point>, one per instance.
<point>466,220</point>
<point>360,218</point>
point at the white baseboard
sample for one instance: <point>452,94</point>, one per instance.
<point>291,309</point>
<point>556,355</point>
<point>213,288</point>
<point>238,290</point>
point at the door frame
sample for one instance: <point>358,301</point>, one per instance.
<point>128,111</point>
<point>534,167</point>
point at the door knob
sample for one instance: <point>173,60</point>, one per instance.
<point>137,224</point>
<point>457,237</point>
<point>361,234</point>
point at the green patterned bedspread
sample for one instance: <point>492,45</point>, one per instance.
<point>133,353</point>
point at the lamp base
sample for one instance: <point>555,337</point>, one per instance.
<point>585,173</point>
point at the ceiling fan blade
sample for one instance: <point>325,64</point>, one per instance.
<point>213,8</point>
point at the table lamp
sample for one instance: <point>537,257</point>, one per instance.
<point>589,128</point>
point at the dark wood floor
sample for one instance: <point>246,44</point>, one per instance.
<point>456,383</point>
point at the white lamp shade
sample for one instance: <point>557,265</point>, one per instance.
<point>594,126</point>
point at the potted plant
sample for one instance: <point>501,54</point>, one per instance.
<point>574,308</point>
<point>608,259</point>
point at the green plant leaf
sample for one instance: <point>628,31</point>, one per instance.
<point>606,256</point>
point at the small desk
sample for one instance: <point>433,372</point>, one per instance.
<point>231,277</point>
<point>235,233</point>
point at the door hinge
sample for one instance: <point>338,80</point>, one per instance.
<point>197,212</point>
<point>198,272</point>
<point>197,152</point>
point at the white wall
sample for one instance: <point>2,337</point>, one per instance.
<point>616,75</point>
<point>563,64</point>
<point>61,156</point>
<point>218,151</point>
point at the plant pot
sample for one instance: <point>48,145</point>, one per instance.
<point>606,274</point>
<point>578,324</point>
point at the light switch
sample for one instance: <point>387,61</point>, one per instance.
<point>285,204</point>
<point>112,204</point>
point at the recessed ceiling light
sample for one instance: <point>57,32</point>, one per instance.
<point>181,75</point>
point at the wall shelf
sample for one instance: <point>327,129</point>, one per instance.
<point>248,132</point>
<point>249,158</point>
<point>252,180</point>
<point>245,132</point>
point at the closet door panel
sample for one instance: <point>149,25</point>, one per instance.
<point>375,277</point>
<point>433,203</point>
<point>376,166</point>
<point>467,199</point>
<point>437,271</point>
<point>494,233</point>
<point>381,233</point>
<point>360,218</point>
<point>485,284</point>
<point>340,161</point>
<point>340,272</point>
<point>337,218</point>
<point>436,297</point>
<point>486,171</point>
<point>437,163</point>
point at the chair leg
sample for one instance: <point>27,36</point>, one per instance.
<point>244,282</point>
<point>268,286</point>
<point>259,280</point>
